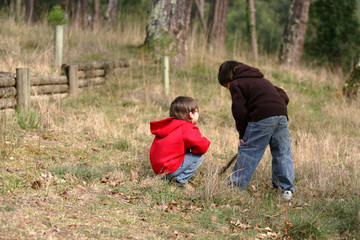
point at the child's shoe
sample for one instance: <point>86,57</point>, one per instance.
<point>287,195</point>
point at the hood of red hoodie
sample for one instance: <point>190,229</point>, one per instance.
<point>245,71</point>
<point>164,127</point>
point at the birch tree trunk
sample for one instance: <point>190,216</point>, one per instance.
<point>253,29</point>
<point>110,12</point>
<point>294,34</point>
<point>352,85</point>
<point>167,27</point>
<point>217,24</point>
<point>109,6</point>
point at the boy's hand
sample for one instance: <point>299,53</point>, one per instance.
<point>240,142</point>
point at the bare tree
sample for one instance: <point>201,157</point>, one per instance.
<point>294,34</point>
<point>11,9</point>
<point>168,25</point>
<point>253,29</point>
<point>18,9</point>
<point>200,6</point>
<point>96,17</point>
<point>113,12</point>
<point>84,13</point>
<point>29,9</point>
<point>77,15</point>
<point>217,23</point>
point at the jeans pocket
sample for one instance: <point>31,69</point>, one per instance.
<point>283,121</point>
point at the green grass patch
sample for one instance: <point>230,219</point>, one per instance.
<point>83,171</point>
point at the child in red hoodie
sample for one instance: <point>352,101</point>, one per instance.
<point>178,148</point>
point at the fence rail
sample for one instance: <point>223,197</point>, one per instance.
<point>20,90</point>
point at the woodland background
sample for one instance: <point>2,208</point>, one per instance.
<point>331,37</point>
<point>78,168</point>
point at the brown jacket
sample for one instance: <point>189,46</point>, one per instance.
<point>254,98</point>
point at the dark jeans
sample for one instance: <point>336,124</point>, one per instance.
<point>271,131</point>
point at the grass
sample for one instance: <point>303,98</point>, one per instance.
<point>79,168</point>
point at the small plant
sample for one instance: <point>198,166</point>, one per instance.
<point>28,121</point>
<point>163,45</point>
<point>122,145</point>
<point>57,16</point>
<point>8,184</point>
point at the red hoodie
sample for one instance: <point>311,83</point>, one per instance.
<point>173,139</point>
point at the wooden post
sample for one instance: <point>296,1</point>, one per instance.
<point>166,74</point>
<point>73,80</point>
<point>23,89</point>
<point>59,36</point>
<point>109,69</point>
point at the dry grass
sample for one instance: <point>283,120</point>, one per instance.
<point>89,155</point>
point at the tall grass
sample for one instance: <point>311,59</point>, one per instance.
<point>109,128</point>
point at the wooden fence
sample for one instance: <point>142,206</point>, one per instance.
<point>20,90</point>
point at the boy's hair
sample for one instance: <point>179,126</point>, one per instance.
<point>182,106</point>
<point>225,71</point>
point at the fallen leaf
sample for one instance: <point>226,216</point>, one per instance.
<point>261,235</point>
<point>40,165</point>
<point>288,223</point>
<point>267,229</point>
<point>240,225</point>
<point>36,185</point>
<point>213,218</point>
<point>105,179</point>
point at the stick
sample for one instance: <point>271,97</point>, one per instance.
<point>228,164</point>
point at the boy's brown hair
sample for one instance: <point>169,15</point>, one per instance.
<point>226,70</point>
<point>182,106</point>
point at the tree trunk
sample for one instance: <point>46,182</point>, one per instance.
<point>108,10</point>
<point>29,9</point>
<point>168,26</point>
<point>200,6</point>
<point>253,29</point>
<point>294,34</point>
<point>113,12</point>
<point>96,17</point>
<point>217,24</point>
<point>352,85</point>
<point>11,9</point>
<point>18,9</point>
<point>78,14</point>
<point>65,4</point>
<point>84,13</point>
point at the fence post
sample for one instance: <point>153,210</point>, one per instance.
<point>73,80</point>
<point>59,39</point>
<point>166,74</point>
<point>109,69</point>
<point>23,89</point>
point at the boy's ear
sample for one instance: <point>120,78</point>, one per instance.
<point>191,115</point>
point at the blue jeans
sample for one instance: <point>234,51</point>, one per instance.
<point>273,131</point>
<point>187,169</point>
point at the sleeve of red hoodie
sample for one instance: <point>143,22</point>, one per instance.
<point>194,141</point>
